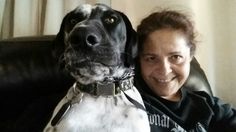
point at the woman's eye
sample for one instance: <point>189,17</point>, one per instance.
<point>150,58</point>
<point>176,59</point>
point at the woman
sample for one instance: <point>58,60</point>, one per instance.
<point>166,47</point>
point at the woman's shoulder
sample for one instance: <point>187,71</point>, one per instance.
<point>224,117</point>
<point>218,106</point>
<point>200,95</point>
<point>210,99</point>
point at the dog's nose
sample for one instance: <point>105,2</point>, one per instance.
<point>84,37</point>
<point>92,39</point>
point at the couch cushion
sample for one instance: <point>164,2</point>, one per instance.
<point>28,72</point>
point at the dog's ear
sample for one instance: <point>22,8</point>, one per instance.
<point>131,48</point>
<point>59,43</point>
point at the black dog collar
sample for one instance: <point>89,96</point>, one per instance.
<point>106,89</point>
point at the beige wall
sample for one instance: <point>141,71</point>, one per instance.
<point>215,22</point>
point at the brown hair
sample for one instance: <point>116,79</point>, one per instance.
<point>167,19</point>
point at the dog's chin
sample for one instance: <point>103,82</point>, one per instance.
<point>89,75</point>
<point>94,72</point>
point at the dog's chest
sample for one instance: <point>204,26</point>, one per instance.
<point>102,114</point>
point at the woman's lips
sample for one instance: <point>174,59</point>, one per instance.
<point>167,80</point>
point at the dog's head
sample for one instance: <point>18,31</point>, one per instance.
<point>95,43</point>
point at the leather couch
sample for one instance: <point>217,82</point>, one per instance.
<point>32,82</point>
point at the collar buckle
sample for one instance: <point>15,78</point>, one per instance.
<point>106,89</point>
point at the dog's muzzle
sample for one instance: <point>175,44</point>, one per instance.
<point>85,37</point>
<point>90,44</point>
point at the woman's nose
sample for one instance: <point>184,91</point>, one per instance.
<point>164,67</point>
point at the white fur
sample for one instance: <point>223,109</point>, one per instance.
<point>87,78</point>
<point>85,8</point>
<point>101,114</point>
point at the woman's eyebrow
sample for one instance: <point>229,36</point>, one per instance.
<point>175,52</point>
<point>149,54</point>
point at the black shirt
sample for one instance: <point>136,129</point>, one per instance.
<point>195,112</point>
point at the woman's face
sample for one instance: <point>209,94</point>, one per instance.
<point>165,62</point>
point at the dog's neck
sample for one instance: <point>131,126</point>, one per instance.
<point>105,75</point>
<point>109,86</point>
<point>106,89</point>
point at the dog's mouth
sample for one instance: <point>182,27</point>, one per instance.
<point>92,65</point>
<point>75,66</point>
<point>102,62</point>
<point>86,72</point>
<point>80,57</point>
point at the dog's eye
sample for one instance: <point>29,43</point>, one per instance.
<point>110,20</point>
<point>73,21</point>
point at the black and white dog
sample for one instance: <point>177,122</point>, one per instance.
<point>97,45</point>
